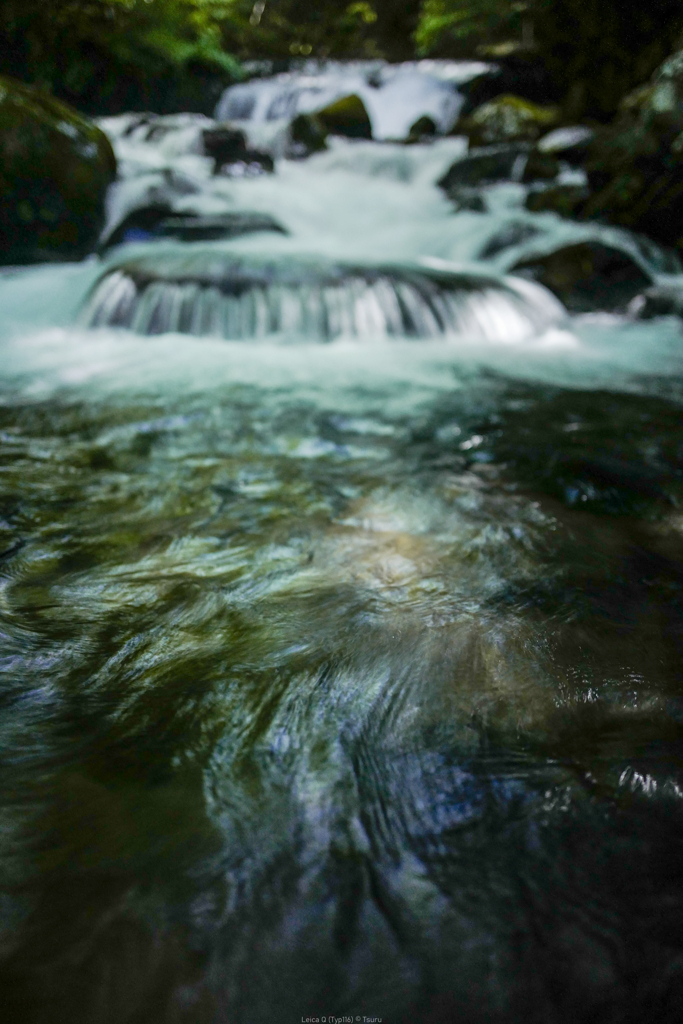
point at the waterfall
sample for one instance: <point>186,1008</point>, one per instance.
<point>232,298</point>
<point>395,97</point>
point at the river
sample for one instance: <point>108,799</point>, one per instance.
<point>341,619</point>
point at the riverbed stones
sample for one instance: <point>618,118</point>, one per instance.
<point>55,167</point>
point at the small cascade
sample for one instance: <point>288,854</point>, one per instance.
<point>394,96</point>
<point>234,298</point>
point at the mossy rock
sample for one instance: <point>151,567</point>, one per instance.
<point>55,166</point>
<point>635,164</point>
<point>508,119</point>
<point>346,116</point>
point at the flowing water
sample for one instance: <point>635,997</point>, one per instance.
<point>342,582</point>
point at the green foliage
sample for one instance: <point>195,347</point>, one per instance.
<point>321,28</point>
<point>82,49</point>
<point>445,23</point>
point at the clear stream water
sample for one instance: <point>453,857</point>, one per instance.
<point>340,672</point>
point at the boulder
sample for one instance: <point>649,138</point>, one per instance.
<point>507,119</point>
<point>486,165</point>
<point>346,116</point>
<point>307,134</point>
<point>587,276</point>
<point>55,167</point>
<point>422,129</point>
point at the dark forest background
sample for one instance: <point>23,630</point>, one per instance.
<point>105,56</point>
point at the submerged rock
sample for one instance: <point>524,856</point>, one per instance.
<point>587,275</point>
<point>507,119</point>
<point>55,167</point>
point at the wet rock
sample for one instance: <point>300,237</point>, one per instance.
<point>570,144</point>
<point>512,234</point>
<point>487,164</point>
<point>561,147</point>
<point>657,301</point>
<point>423,128</point>
<point>346,116</point>
<point>541,166</point>
<point>307,134</point>
<point>55,167</point>
<point>226,225</point>
<point>470,199</point>
<point>587,276</point>
<point>227,146</point>
<point>160,221</point>
<point>507,119</point>
<point>565,200</point>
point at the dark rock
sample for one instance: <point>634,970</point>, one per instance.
<point>159,221</point>
<point>566,200</point>
<point>308,134</point>
<point>55,167</point>
<point>587,276</point>
<point>227,225</point>
<point>346,116</point>
<point>487,164</point>
<point>512,234</point>
<point>424,128</point>
<point>657,301</point>
<point>228,146</point>
<point>139,225</point>
<point>507,119</point>
<point>570,144</point>
<point>541,166</point>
